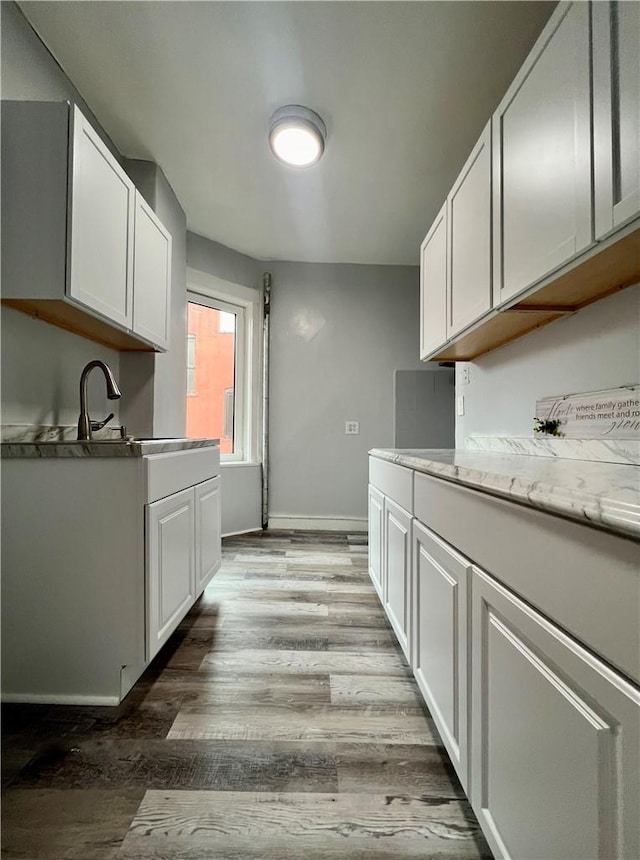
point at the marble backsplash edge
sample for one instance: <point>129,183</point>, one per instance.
<point>622,451</point>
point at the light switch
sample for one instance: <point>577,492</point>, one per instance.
<point>352,428</point>
<point>461,405</point>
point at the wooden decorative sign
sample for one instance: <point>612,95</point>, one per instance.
<point>610,414</point>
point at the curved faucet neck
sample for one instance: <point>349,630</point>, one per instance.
<point>113,393</point>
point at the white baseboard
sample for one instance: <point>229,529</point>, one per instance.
<point>320,524</point>
<point>250,531</point>
<point>59,699</point>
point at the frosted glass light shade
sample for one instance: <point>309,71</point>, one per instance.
<point>297,135</point>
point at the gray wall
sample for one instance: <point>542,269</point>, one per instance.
<point>41,364</point>
<point>598,347</point>
<point>338,334</point>
<point>216,259</point>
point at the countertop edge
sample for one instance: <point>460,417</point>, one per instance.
<point>17,450</point>
<point>614,516</point>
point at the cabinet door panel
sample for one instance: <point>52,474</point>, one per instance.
<point>433,286</point>
<point>208,520</point>
<point>470,239</point>
<point>376,525</point>
<point>440,583</point>
<point>555,739</point>
<point>170,565</point>
<point>151,276</point>
<point>101,246</point>
<point>616,113</point>
<point>397,571</point>
<point>542,157</point>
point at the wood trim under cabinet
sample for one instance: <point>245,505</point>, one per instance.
<point>604,271</point>
<point>65,315</point>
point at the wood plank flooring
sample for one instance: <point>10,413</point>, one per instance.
<point>280,722</point>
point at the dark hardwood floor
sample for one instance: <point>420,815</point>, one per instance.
<point>281,722</point>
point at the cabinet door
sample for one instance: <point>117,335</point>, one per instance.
<point>208,519</point>
<point>470,239</point>
<point>433,286</point>
<point>101,227</point>
<point>170,566</point>
<point>376,527</point>
<point>616,113</point>
<point>151,276</point>
<point>542,157</point>
<point>440,655</point>
<point>397,571</point>
<point>555,762</point>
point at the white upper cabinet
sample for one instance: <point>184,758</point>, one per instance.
<point>78,251</point>
<point>542,157</point>
<point>151,275</point>
<point>101,221</point>
<point>616,114</point>
<point>469,240</point>
<point>433,286</point>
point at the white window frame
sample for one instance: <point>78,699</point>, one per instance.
<point>191,338</point>
<point>246,302</point>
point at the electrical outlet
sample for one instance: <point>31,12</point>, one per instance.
<point>465,375</point>
<point>352,428</point>
<point>461,405</point>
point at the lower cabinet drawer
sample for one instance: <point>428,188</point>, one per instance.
<point>393,481</point>
<point>169,473</point>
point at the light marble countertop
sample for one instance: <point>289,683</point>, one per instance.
<point>605,495</point>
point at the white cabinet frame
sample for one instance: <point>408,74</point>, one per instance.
<point>208,531</point>
<point>565,41</point>
<point>433,285</point>
<point>376,534</point>
<point>396,571</point>
<point>469,233</point>
<point>170,565</point>
<point>554,730</point>
<point>616,114</point>
<point>151,276</point>
<point>440,604</point>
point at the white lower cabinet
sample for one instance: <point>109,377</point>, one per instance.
<point>441,579</point>
<point>182,555</point>
<point>376,525</point>
<point>555,736</point>
<point>170,552</point>
<point>543,733</point>
<point>208,531</point>
<point>397,572</point>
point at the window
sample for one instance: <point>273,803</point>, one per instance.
<point>224,338</point>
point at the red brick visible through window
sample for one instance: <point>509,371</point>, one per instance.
<point>214,372</point>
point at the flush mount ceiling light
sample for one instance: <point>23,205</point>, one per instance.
<point>297,135</point>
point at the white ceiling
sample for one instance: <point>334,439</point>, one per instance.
<point>405,89</point>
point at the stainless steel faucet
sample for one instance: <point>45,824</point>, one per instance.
<point>85,425</point>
